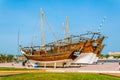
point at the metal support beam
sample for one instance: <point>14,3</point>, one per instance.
<point>55,65</point>
<point>44,65</point>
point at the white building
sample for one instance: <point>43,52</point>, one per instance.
<point>114,53</point>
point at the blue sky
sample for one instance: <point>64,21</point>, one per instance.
<point>84,15</point>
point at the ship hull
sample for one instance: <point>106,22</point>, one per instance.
<point>50,57</point>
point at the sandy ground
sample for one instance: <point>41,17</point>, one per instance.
<point>10,73</point>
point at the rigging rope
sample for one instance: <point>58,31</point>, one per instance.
<point>50,28</point>
<point>101,23</point>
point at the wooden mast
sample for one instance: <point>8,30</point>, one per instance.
<point>42,27</point>
<point>67,29</point>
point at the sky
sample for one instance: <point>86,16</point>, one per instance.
<point>23,16</point>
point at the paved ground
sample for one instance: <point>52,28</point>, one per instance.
<point>16,65</point>
<point>109,68</point>
<point>93,67</point>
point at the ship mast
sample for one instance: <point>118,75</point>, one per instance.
<point>42,27</point>
<point>67,29</point>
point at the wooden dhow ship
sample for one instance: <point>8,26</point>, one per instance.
<point>70,47</point>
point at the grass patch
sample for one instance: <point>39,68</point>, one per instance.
<point>59,76</point>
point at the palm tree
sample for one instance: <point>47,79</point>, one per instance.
<point>101,56</point>
<point>106,55</point>
<point>3,57</point>
<point>6,58</point>
<point>0,58</point>
<point>10,58</point>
